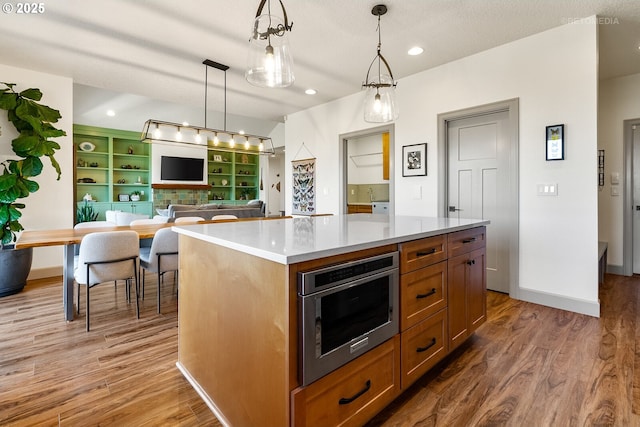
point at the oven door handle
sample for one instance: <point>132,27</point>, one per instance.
<point>347,400</point>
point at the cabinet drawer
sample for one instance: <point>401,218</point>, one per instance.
<point>352,394</point>
<point>423,346</point>
<point>465,241</point>
<point>421,253</point>
<point>422,293</point>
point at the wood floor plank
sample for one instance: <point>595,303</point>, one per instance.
<point>528,365</point>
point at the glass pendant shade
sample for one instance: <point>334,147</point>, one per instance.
<point>269,62</point>
<point>380,104</point>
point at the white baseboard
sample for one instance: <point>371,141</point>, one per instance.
<point>558,301</point>
<point>44,273</point>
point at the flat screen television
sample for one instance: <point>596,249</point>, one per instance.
<point>181,169</point>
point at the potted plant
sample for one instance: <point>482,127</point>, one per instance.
<point>135,196</point>
<point>85,213</point>
<point>33,122</point>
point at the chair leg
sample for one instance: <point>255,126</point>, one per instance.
<point>142,274</point>
<point>88,307</point>
<point>78,301</point>
<point>159,276</point>
<point>135,269</point>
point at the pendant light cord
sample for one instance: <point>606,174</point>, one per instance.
<point>206,89</point>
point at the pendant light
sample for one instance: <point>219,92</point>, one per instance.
<point>184,133</point>
<point>270,63</point>
<point>380,99</point>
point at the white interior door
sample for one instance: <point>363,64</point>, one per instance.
<point>636,198</point>
<point>478,184</point>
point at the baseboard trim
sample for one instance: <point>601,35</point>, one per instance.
<point>45,273</point>
<point>203,394</point>
<point>589,308</point>
<point>615,269</point>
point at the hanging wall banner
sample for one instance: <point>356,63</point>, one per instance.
<point>304,187</point>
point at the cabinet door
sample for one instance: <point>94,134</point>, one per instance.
<point>477,290</point>
<point>457,304</point>
<point>467,295</point>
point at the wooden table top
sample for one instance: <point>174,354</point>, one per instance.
<point>69,236</point>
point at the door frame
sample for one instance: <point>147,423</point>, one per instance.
<point>511,106</point>
<point>344,137</point>
<point>627,216</point>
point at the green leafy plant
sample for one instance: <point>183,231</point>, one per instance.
<point>85,212</point>
<point>33,121</point>
<point>135,193</point>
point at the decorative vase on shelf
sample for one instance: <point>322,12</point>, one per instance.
<point>135,198</point>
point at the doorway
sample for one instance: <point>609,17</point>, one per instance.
<point>479,174</point>
<point>367,162</point>
<point>631,216</point>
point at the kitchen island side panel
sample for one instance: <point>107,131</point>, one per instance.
<point>233,331</point>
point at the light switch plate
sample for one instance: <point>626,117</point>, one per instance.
<point>547,189</point>
<point>615,178</point>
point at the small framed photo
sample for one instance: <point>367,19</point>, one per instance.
<point>414,160</point>
<point>555,142</point>
<point>217,158</point>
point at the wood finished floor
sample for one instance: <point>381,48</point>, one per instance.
<point>527,366</point>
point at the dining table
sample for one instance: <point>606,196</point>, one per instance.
<point>69,237</point>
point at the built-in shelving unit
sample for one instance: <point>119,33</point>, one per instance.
<point>110,166</point>
<point>233,177</point>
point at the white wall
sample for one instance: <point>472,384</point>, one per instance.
<point>159,149</point>
<point>365,160</point>
<point>554,75</point>
<point>52,206</point>
<point>618,102</point>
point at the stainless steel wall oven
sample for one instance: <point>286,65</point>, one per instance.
<point>345,310</point>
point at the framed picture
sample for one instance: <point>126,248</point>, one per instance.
<point>217,158</point>
<point>555,142</point>
<point>414,160</point>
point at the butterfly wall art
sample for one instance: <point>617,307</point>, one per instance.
<point>555,142</point>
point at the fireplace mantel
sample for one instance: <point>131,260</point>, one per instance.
<point>181,186</point>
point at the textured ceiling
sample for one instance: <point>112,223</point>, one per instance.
<point>153,49</point>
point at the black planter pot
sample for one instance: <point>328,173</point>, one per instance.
<point>15,265</point>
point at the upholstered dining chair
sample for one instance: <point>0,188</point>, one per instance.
<point>223,217</point>
<point>188,219</point>
<point>144,221</point>
<point>106,256</point>
<point>161,257</point>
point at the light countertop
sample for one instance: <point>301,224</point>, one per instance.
<point>293,240</point>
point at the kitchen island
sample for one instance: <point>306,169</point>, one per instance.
<point>239,322</point>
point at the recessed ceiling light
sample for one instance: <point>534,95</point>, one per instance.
<point>241,132</point>
<point>111,113</point>
<point>416,50</point>
<point>310,91</point>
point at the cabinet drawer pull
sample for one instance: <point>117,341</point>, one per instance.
<point>471,240</point>
<point>427,347</point>
<point>347,400</point>
<point>427,252</point>
<point>428,294</point>
<point>471,262</point>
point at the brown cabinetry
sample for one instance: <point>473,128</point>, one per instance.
<point>423,305</point>
<point>466,284</point>
<point>359,209</point>
<point>352,394</point>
